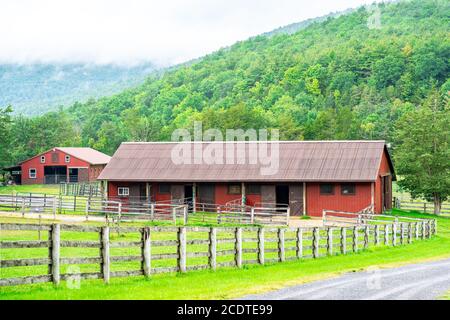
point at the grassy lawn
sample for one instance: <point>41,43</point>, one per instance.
<point>36,188</point>
<point>232,283</point>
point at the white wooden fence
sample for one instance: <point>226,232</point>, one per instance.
<point>117,211</point>
<point>249,246</point>
<point>343,218</point>
<point>421,206</point>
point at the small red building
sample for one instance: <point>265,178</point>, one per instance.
<point>61,165</point>
<point>311,176</point>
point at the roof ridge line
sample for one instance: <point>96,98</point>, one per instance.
<point>258,141</point>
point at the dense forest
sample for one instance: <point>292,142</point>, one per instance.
<point>341,78</point>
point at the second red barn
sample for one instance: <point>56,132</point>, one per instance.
<point>61,165</point>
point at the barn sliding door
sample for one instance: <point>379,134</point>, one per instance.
<point>386,185</point>
<point>206,193</point>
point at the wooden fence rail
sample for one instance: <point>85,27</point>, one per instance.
<point>421,206</point>
<point>249,245</point>
<point>131,210</point>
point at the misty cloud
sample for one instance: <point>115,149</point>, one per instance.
<point>134,31</point>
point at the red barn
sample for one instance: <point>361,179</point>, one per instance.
<point>61,165</point>
<point>310,176</point>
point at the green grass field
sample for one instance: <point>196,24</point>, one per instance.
<point>232,283</point>
<point>36,188</point>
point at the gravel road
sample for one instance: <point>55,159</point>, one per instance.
<point>424,281</point>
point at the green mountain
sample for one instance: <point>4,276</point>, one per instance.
<point>37,88</point>
<point>348,77</point>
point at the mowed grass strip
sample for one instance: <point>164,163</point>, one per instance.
<point>228,283</point>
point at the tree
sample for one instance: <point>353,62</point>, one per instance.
<point>5,135</point>
<point>423,151</point>
<point>110,136</point>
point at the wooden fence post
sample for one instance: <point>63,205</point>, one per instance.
<point>213,248</point>
<point>146,252</point>
<point>39,230</point>
<point>104,236</point>
<point>238,247</point>
<point>386,234</point>
<point>219,216</point>
<point>423,230</point>
<point>429,229</point>
<point>182,249</point>
<point>152,211</point>
<point>355,239</point>
<point>252,215</point>
<point>88,207</point>
<point>174,215</point>
<point>23,207</point>
<point>261,245</point>
<point>343,240</point>
<point>394,234</point>
<point>315,244</point>
<point>366,237</point>
<point>330,241</point>
<point>288,215</point>
<point>60,204</point>
<point>54,252</point>
<point>54,208</point>
<point>377,235</point>
<point>416,227</point>
<point>185,215</point>
<point>281,251</point>
<point>410,232</point>
<point>402,234</point>
<point>299,243</point>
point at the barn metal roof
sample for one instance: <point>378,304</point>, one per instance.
<point>89,155</point>
<point>300,161</point>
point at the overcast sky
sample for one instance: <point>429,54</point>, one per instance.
<point>133,31</point>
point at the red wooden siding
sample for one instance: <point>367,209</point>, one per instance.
<point>95,171</point>
<point>384,169</point>
<point>157,196</point>
<point>35,163</point>
<point>316,203</point>
<point>222,196</point>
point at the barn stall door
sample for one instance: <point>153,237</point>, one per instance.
<point>177,191</point>
<point>83,174</point>
<point>296,199</point>
<point>206,193</point>
<point>268,195</point>
<point>386,194</point>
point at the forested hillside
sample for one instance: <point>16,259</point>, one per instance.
<point>38,88</point>
<point>335,79</point>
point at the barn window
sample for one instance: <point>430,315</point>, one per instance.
<point>254,189</point>
<point>55,157</point>
<point>67,159</point>
<point>326,189</point>
<point>123,191</point>
<point>348,189</point>
<point>32,173</point>
<point>42,159</point>
<point>164,188</point>
<point>234,189</point>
